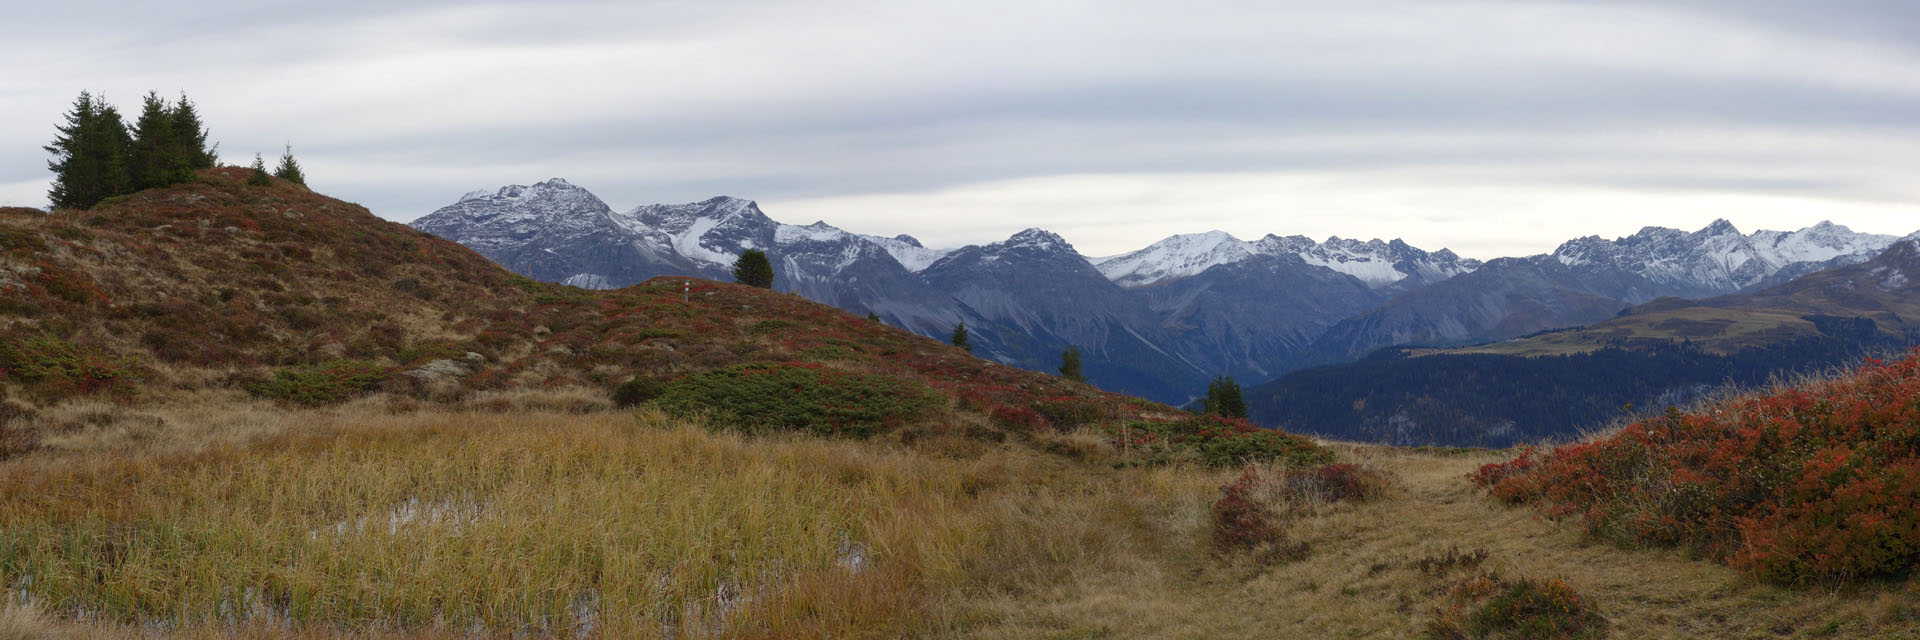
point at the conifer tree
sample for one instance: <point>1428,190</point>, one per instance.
<point>1070,365</point>
<point>192,136</point>
<point>1224,399</point>
<point>89,156</point>
<point>753,269</point>
<point>289,170</point>
<point>259,178</point>
<point>156,159</point>
<point>960,337</point>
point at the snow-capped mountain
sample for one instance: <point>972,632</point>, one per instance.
<point>1176,257</point>
<point>1377,263</point>
<point>557,232</point>
<point>1718,259</point>
<point>1589,279</point>
<point>515,214</point>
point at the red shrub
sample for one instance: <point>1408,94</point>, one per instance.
<point>1338,482</point>
<point>1818,482</point>
<point>1019,418</point>
<point>1240,520</point>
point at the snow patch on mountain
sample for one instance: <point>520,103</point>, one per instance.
<point>588,281</point>
<point>817,232</point>
<point>1818,243</point>
<point>909,252</point>
<point>687,242</point>
<point>1371,262</point>
<point>1176,257</point>
<point>1374,262</point>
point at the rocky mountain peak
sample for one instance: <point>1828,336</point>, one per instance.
<point>1037,238</point>
<point>1719,227</point>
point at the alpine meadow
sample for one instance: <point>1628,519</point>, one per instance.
<point>1079,343</point>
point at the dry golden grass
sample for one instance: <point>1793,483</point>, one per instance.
<point>224,517</point>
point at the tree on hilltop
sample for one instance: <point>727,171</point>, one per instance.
<point>89,155</point>
<point>96,155</point>
<point>753,269</point>
<point>959,338</point>
<point>190,135</point>
<point>289,169</point>
<point>1070,365</point>
<point>157,158</point>
<point>259,177</point>
<point>1224,399</point>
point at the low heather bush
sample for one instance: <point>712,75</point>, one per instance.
<point>1215,441</point>
<point>51,366</point>
<point>1242,521</point>
<point>1488,606</point>
<point>329,382</point>
<point>636,391</point>
<point>802,396</point>
<point>1815,483</point>
<point>1337,482</point>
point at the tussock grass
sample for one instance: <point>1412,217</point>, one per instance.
<point>542,522</point>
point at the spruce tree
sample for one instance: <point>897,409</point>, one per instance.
<point>1224,399</point>
<point>156,159</point>
<point>191,135</point>
<point>960,337</point>
<point>289,170</point>
<point>89,156</point>
<point>753,269</point>
<point>259,178</point>
<point>1070,365</point>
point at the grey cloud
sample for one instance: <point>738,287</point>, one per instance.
<point>403,106</point>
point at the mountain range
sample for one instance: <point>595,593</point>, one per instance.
<point>1552,385</point>
<point>1158,322</point>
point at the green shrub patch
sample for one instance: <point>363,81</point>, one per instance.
<point>326,383</point>
<point>1214,440</point>
<point>801,396</point>
<point>51,366</point>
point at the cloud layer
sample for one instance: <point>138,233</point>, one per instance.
<point>1490,127</point>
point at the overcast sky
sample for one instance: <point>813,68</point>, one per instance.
<point>1492,128</point>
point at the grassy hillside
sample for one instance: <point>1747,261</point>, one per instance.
<point>207,433</point>
<point>290,295</point>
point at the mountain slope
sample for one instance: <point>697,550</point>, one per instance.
<point>1030,297</point>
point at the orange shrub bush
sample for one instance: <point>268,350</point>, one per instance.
<point>1818,482</point>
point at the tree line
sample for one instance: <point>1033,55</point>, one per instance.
<point>98,155</point>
